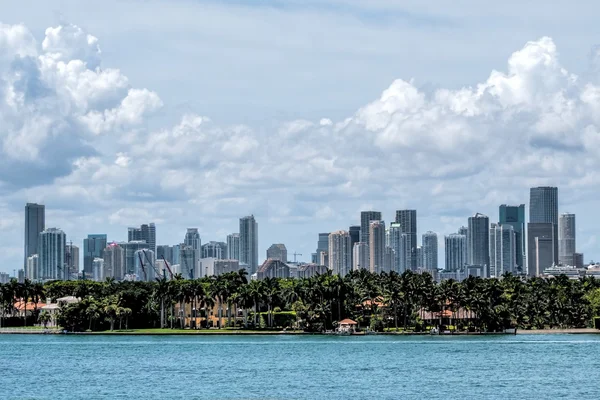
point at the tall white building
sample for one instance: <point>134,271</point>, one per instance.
<point>51,254</point>
<point>32,271</point>
<point>192,240</point>
<point>389,259</point>
<point>114,262</point>
<point>407,248</point>
<point>456,252</point>
<point>395,233</point>
<point>340,253</point>
<point>430,251</point>
<point>233,246</point>
<point>376,246</point>
<point>360,256</point>
<point>249,243</point>
<point>98,269</point>
<point>566,239</point>
<point>503,250</point>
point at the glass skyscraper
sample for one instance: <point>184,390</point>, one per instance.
<point>35,223</point>
<point>543,209</point>
<point>515,217</point>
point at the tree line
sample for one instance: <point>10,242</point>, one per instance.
<point>386,301</point>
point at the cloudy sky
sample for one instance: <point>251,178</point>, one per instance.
<point>194,113</point>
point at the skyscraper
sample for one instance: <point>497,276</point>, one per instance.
<point>408,223</point>
<point>93,247</point>
<point>51,251</point>
<point>277,251</point>
<point>360,256</point>
<point>340,253</point>
<point>540,247</point>
<point>35,223</point>
<point>72,260</point>
<point>354,232</point>
<point>129,249</point>
<point>32,272</point>
<point>515,217</point>
<point>566,239</point>
<point>502,249</point>
<point>214,249</point>
<point>395,243</point>
<point>144,262</point>
<point>478,241</point>
<point>146,232</point>
<point>430,251</point>
<point>166,251</point>
<point>114,262</point>
<point>543,208</point>
<point>376,246</point>
<point>365,219</point>
<point>192,239</point>
<point>456,252</point>
<point>322,243</point>
<point>233,246</point>
<point>249,243</point>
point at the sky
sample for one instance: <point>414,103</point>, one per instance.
<point>195,113</point>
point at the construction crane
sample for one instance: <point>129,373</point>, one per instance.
<point>295,255</point>
<point>190,270</point>
<point>167,265</point>
<point>143,268</point>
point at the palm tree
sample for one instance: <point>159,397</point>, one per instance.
<point>44,318</point>
<point>111,311</point>
<point>92,313</point>
<point>244,299</point>
<point>25,291</point>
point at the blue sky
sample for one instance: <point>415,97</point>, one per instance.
<point>302,113</point>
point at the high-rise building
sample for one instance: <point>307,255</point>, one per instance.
<point>277,251</point>
<point>129,249</point>
<point>144,262</point>
<point>35,223</point>
<point>32,271</point>
<point>146,232</point>
<point>406,250</point>
<point>389,259</point>
<point>360,256</point>
<point>190,268</point>
<point>515,217</point>
<point>430,251</point>
<point>249,243</point>
<point>463,231</point>
<point>114,262</point>
<point>503,254</point>
<point>322,243</point>
<point>578,260</point>
<point>395,231</point>
<point>478,241</point>
<point>72,260</point>
<point>340,258</point>
<point>420,258</point>
<point>566,239</point>
<point>214,249</point>
<point>93,247</point>
<point>354,232</point>
<point>324,258</point>
<point>192,239</point>
<point>97,269</point>
<point>365,219</point>
<point>166,251</point>
<point>456,252</point>
<point>543,208</point>
<point>540,247</point>
<point>233,246</point>
<point>51,252</point>
<point>376,246</point>
<point>408,223</point>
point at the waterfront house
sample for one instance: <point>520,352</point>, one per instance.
<point>347,326</point>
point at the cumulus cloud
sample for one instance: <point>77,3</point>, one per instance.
<point>83,130</point>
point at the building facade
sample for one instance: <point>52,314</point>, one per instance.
<point>114,262</point>
<point>249,243</point>
<point>376,246</point>
<point>478,241</point>
<point>543,209</point>
<point>515,217</point>
<point>146,232</point>
<point>340,253</point>
<point>408,224</point>
<point>51,254</point>
<point>566,239</point>
<point>233,246</point>
<point>456,252</point>
<point>278,251</point>
<point>93,247</point>
<point>360,256</point>
<point>35,223</point>
<point>192,240</point>
<point>430,251</point>
<point>540,247</point>
<point>214,249</point>
<point>503,254</point>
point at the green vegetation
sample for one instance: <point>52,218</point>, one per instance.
<point>380,302</point>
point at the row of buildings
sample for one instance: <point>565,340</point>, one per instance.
<point>481,248</point>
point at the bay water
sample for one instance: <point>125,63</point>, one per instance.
<point>299,367</point>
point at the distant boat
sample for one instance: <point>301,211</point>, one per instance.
<point>512,331</point>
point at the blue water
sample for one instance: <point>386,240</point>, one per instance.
<point>299,367</point>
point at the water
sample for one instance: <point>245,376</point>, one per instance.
<point>298,367</point>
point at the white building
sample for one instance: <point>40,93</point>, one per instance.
<point>98,269</point>
<point>376,246</point>
<point>33,268</point>
<point>233,246</point>
<point>503,251</point>
<point>360,256</point>
<point>51,254</point>
<point>566,239</point>
<point>430,251</point>
<point>456,252</point>
<point>340,253</point>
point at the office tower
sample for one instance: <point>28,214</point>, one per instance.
<point>114,262</point>
<point>146,232</point>
<point>93,247</point>
<point>277,251</point>
<point>176,253</point>
<point>503,254</point>
<point>540,247</point>
<point>408,223</point>
<point>419,257</point>
<point>515,217</point>
<point>456,252</point>
<point>32,271</point>
<point>543,208</point>
<point>395,231</point>
<point>214,249</point>
<point>360,256</point>
<point>144,261</point>
<point>406,250</point>
<point>322,243</point>
<point>324,258</point>
<point>354,232</point>
<point>166,251</point>
<point>463,231</point>
<point>365,219</point>
<point>129,249</point>
<point>376,246</point>
<point>98,269</point>
<point>478,241</point>
<point>192,239</point>
<point>340,250</point>
<point>35,223</point>
<point>249,243</point>
<point>72,260</point>
<point>430,251</point>
<point>51,252</point>
<point>233,246</point>
<point>21,276</point>
<point>578,260</point>
<point>566,239</point>
<point>389,259</point>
